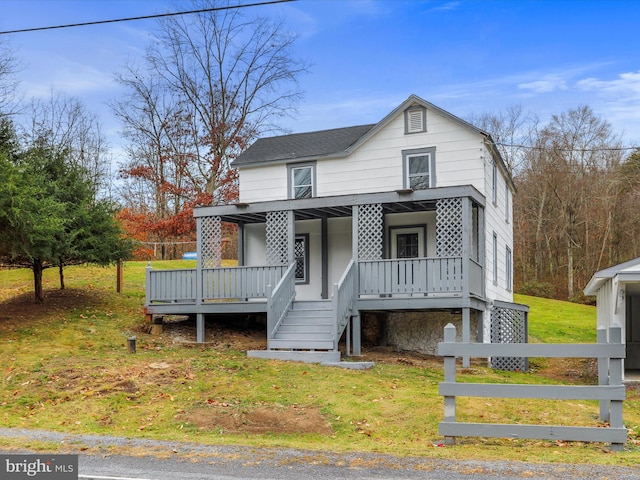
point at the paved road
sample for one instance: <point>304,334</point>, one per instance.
<point>155,460</point>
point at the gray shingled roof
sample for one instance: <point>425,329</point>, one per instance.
<point>302,145</point>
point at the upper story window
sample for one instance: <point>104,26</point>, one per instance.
<point>302,180</point>
<point>415,120</point>
<point>419,168</point>
<point>507,203</point>
<point>494,184</point>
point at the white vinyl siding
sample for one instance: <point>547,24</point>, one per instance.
<point>377,165</point>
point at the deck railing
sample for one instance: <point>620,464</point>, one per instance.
<point>414,275</point>
<point>280,299</point>
<point>343,299</point>
<point>438,276</point>
<point>171,285</point>
<point>239,283</point>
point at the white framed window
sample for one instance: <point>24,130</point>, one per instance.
<point>508,260</point>
<point>408,242</point>
<point>507,203</point>
<point>302,180</point>
<point>494,185</point>
<point>495,258</point>
<point>415,120</point>
<point>301,254</point>
<point>419,168</point>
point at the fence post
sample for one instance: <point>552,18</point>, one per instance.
<point>615,378</point>
<point>450,377</point>
<point>603,374</point>
<point>148,286</point>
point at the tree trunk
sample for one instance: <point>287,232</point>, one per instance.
<point>37,280</point>
<point>61,274</point>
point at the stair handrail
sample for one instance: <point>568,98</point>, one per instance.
<point>342,301</point>
<point>280,299</point>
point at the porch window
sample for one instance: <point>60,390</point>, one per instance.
<point>301,181</point>
<point>419,168</point>
<point>301,249</point>
<point>408,241</point>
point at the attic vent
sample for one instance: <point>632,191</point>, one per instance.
<point>415,120</point>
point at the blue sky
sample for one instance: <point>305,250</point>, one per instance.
<point>367,56</point>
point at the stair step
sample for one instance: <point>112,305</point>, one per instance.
<point>311,305</point>
<point>297,344</point>
<point>310,313</point>
<point>304,336</point>
<point>305,328</point>
<point>293,320</point>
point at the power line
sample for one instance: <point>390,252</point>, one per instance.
<point>146,17</point>
<point>566,149</point>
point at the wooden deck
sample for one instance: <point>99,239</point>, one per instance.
<point>397,284</point>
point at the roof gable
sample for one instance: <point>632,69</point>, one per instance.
<point>340,142</point>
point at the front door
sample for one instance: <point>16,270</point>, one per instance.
<point>632,337</point>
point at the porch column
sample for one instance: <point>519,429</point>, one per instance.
<point>209,231</point>
<point>241,244</point>
<point>466,333</point>
<point>467,240</point>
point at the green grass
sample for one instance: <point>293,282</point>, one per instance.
<point>65,367</point>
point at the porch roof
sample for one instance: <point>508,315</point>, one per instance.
<point>626,272</point>
<point>399,201</point>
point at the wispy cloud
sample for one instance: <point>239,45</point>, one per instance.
<point>625,84</point>
<point>551,83</point>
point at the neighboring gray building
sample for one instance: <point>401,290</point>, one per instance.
<point>617,291</point>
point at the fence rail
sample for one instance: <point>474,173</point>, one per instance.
<point>610,391</point>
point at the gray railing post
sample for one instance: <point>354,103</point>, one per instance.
<point>335,303</point>
<point>270,312</point>
<point>148,286</point>
<point>450,377</point>
<point>603,374</point>
<point>615,378</point>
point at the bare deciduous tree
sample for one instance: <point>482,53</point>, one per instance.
<point>69,129</point>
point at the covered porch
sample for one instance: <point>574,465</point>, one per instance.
<point>363,274</point>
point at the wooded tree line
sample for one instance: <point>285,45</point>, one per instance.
<point>576,207</point>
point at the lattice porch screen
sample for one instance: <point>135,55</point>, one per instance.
<point>509,326</point>
<point>370,232</point>
<point>210,238</point>
<point>277,238</point>
<point>449,227</point>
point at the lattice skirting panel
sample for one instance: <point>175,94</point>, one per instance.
<point>509,326</point>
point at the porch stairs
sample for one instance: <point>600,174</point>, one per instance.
<point>305,335</point>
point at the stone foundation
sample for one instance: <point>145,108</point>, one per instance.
<point>410,331</point>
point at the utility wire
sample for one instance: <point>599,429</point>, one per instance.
<point>534,147</point>
<point>146,17</point>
